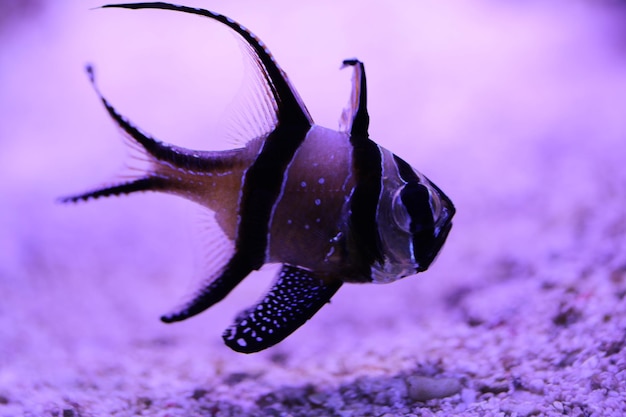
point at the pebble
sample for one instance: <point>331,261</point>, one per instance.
<point>520,409</point>
<point>422,388</point>
<point>468,395</point>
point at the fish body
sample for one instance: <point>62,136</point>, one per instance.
<point>330,206</point>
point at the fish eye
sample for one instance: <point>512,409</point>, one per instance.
<point>416,207</point>
<point>435,204</point>
<point>400,214</point>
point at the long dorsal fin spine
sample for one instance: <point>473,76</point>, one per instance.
<point>290,106</point>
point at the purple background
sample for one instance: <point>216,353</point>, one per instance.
<point>517,110</point>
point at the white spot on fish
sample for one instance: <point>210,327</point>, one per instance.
<point>318,201</point>
<point>289,221</point>
<point>330,253</point>
<point>303,184</point>
<point>307,227</point>
<point>321,180</point>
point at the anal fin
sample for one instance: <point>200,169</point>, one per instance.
<point>232,274</point>
<point>295,297</point>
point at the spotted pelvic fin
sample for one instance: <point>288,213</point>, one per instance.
<point>294,298</point>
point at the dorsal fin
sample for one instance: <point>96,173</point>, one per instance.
<point>367,169</point>
<point>354,118</point>
<point>288,105</point>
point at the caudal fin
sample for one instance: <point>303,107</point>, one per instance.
<point>140,184</point>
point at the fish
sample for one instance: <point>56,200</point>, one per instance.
<point>330,206</point>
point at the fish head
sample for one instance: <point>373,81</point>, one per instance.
<point>414,219</point>
<point>424,213</point>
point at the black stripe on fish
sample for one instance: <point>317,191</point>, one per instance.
<point>294,298</point>
<point>406,172</point>
<point>367,168</point>
<point>262,181</point>
<point>416,200</point>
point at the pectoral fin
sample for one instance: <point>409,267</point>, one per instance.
<point>295,297</point>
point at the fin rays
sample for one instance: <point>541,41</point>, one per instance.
<point>290,108</point>
<point>253,113</point>
<point>141,184</point>
<point>208,296</point>
<point>354,118</point>
<point>160,151</point>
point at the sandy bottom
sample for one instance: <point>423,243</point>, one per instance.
<point>517,112</point>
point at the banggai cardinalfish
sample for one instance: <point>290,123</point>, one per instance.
<point>329,206</point>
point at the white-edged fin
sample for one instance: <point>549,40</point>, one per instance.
<point>214,246</point>
<point>354,117</point>
<point>253,112</point>
<point>142,179</point>
<point>290,109</point>
<point>294,298</point>
<point>215,249</point>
